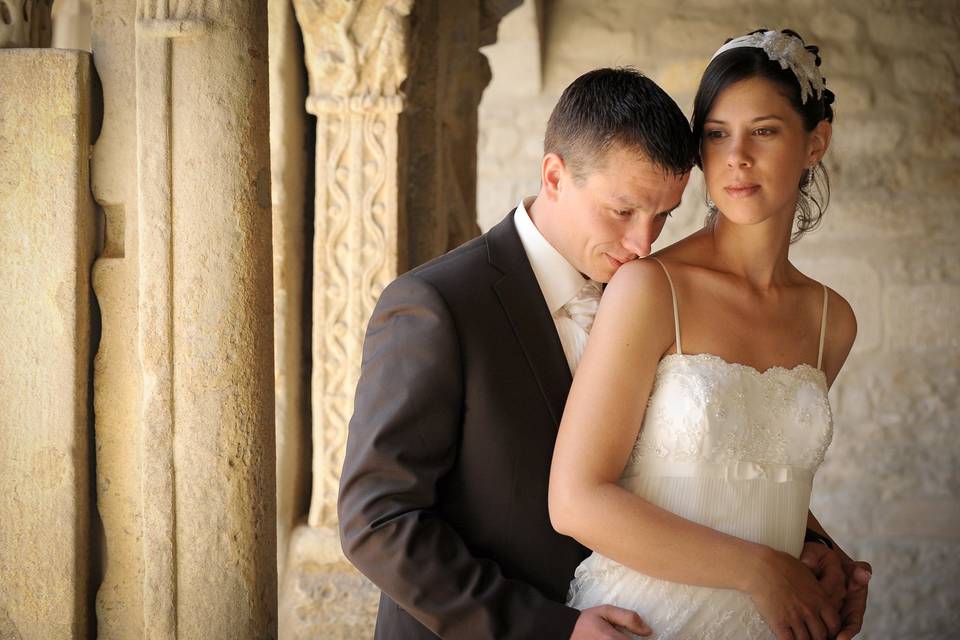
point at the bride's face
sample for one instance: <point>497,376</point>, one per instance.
<point>754,151</point>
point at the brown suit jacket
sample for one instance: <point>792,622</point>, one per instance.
<point>443,496</point>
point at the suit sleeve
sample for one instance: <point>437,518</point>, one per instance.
<point>403,439</point>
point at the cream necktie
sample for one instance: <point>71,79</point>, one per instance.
<point>582,309</point>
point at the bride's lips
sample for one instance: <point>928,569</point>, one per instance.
<point>742,189</point>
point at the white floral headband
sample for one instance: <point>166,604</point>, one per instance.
<point>790,53</point>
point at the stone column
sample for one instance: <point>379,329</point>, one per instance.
<point>71,24</point>
<point>395,186</point>
<point>186,283</point>
<point>356,56</point>
<point>47,242</point>
<point>290,138</point>
<point>448,75</point>
<point>117,376</point>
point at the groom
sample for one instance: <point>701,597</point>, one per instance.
<point>466,367</point>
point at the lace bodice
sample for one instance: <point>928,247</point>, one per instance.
<point>731,448</point>
<point>704,409</point>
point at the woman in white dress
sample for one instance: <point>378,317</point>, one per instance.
<point>699,411</point>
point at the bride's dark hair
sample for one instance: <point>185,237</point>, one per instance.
<point>742,63</point>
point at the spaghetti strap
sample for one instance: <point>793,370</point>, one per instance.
<point>673,294</point>
<point>823,328</point>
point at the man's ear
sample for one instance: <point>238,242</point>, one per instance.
<point>819,142</point>
<point>553,172</point>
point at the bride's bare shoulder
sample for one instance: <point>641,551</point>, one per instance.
<point>686,252</point>
<point>841,327</point>
<point>637,302</point>
<point>642,279</point>
<point>841,319</point>
<point>841,332</point>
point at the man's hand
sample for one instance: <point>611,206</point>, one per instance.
<point>844,580</point>
<point>607,622</point>
<point>827,566</point>
<point>858,577</point>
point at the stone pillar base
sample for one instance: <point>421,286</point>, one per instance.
<point>323,596</point>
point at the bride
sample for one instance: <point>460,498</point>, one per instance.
<point>699,412</point>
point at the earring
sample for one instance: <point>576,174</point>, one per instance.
<point>711,206</point>
<point>807,178</point>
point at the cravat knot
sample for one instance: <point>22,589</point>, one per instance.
<point>582,308</point>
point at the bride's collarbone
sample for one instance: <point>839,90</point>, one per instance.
<point>721,314</point>
<point>761,337</point>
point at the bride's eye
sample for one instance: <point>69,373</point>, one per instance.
<point>764,131</point>
<point>714,134</point>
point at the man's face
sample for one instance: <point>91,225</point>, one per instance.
<point>616,214</point>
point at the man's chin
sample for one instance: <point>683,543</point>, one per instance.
<point>602,276</point>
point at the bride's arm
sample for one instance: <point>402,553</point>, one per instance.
<point>856,574</point>
<point>840,335</point>
<point>633,329</point>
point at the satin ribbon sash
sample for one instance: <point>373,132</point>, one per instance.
<point>742,470</point>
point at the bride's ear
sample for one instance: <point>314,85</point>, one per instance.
<point>819,142</point>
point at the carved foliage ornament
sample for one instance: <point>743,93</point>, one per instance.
<point>179,9</point>
<point>176,18</point>
<point>356,50</point>
<point>355,259</point>
<point>25,23</point>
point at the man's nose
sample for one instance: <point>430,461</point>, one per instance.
<point>639,239</point>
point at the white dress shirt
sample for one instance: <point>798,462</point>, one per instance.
<point>558,279</point>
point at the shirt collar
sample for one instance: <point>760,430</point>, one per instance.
<point>558,279</point>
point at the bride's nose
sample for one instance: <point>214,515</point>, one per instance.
<point>738,154</point>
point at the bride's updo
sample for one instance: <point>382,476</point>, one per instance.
<point>744,62</point>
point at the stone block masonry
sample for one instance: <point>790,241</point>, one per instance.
<point>889,490</point>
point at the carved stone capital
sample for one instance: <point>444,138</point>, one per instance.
<point>354,48</point>
<point>176,18</point>
<point>354,104</point>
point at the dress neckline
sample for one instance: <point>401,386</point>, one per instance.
<point>803,366</point>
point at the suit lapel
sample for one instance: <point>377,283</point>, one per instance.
<point>523,302</point>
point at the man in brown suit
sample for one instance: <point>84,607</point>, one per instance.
<point>466,366</point>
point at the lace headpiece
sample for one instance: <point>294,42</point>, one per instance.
<point>790,53</point>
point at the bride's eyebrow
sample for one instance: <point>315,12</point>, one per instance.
<point>757,119</point>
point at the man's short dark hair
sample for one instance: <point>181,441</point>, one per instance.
<point>608,108</point>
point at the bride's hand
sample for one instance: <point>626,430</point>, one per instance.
<point>790,599</point>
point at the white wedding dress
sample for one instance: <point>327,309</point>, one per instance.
<point>729,447</point>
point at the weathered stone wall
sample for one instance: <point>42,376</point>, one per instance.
<point>890,488</point>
